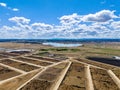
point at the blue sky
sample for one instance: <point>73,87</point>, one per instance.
<point>59,19</point>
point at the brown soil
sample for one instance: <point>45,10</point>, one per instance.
<point>45,80</point>
<point>13,45</point>
<point>71,87</point>
<point>47,76</point>
<point>52,55</point>
<point>37,85</point>
<point>6,73</point>
<point>117,72</point>
<point>54,70</point>
<point>52,73</point>
<point>3,56</point>
<point>33,61</point>
<point>43,58</point>
<point>102,81</point>
<point>61,65</point>
<point>74,79</point>
<point>18,65</point>
<point>17,82</point>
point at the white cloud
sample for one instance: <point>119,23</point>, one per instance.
<point>10,8</point>
<point>19,20</point>
<point>115,25</point>
<point>70,19</point>
<point>42,26</point>
<point>15,9</point>
<point>3,4</point>
<point>101,16</point>
<point>71,26</point>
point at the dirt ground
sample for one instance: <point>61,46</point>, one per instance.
<point>74,79</point>
<point>43,58</point>
<point>6,73</point>
<point>13,45</point>
<point>17,82</point>
<point>52,73</point>
<point>3,56</point>
<point>102,81</point>
<point>37,85</point>
<point>47,79</point>
<point>18,65</point>
<point>33,61</point>
<point>117,72</point>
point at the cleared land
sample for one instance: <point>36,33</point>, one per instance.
<point>3,56</point>
<point>33,61</point>
<point>6,73</point>
<point>18,81</point>
<point>74,79</point>
<point>18,65</point>
<point>46,80</point>
<point>50,68</point>
<point>43,58</point>
<point>51,55</point>
<point>117,72</point>
<point>102,81</point>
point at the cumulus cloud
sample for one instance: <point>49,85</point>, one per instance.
<point>3,4</point>
<point>115,25</point>
<point>19,20</point>
<point>104,25</point>
<point>42,26</point>
<point>101,16</point>
<point>70,19</point>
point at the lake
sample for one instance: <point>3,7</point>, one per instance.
<point>62,44</point>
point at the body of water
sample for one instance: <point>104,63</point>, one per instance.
<point>62,44</point>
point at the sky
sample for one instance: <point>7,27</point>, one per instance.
<point>43,19</point>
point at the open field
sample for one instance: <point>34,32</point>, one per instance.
<point>74,79</point>
<point>6,73</point>
<point>43,58</point>
<point>18,81</point>
<point>37,85</point>
<point>18,65</point>
<point>117,72</point>
<point>46,80</point>
<point>54,68</point>
<point>33,61</point>
<point>51,55</point>
<point>53,72</point>
<point>3,56</point>
<point>102,80</point>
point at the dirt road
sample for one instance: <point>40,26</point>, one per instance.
<point>89,83</point>
<point>114,77</point>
